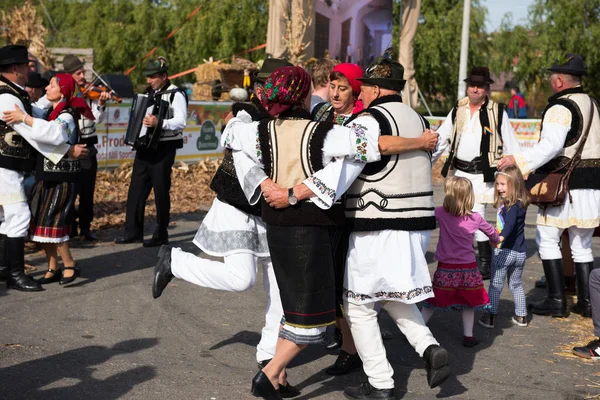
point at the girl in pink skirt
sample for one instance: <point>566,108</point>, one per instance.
<point>457,282</point>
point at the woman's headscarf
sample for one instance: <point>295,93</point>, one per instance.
<point>283,89</point>
<point>352,72</point>
<point>72,98</point>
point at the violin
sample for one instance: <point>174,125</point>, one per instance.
<point>93,93</point>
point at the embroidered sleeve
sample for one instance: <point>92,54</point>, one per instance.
<point>558,115</point>
<point>360,133</point>
<point>64,125</point>
<point>321,187</point>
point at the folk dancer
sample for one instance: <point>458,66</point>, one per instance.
<point>152,168</point>
<point>569,113</point>
<point>479,133</point>
<point>54,193</point>
<point>303,238</point>
<point>19,139</point>
<point>234,230</point>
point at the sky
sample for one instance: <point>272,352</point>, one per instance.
<point>497,9</point>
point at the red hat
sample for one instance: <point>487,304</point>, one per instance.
<point>352,72</point>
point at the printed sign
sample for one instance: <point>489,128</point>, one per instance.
<point>202,135</point>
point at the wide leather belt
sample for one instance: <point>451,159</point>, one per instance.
<point>471,167</point>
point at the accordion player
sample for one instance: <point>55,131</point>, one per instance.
<point>138,136</point>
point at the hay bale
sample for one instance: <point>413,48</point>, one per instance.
<point>206,73</point>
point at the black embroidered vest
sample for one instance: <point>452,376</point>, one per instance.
<point>67,169</point>
<point>15,152</point>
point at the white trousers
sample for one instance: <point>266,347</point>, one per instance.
<point>480,208</point>
<point>362,320</point>
<point>548,240</point>
<point>236,274</point>
<point>14,219</point>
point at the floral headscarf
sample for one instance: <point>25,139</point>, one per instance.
<point>284,88</point>
<point>72,98</point>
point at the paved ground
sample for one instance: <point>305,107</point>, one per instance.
<point>104,337</point>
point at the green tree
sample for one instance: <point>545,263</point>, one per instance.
<point>553,28</point>
<point>437,47</point>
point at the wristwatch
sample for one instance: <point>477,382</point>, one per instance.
<point>292,199</point>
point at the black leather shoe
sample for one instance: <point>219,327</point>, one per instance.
<point>286,391</point>
<point>162,272</point>
<point>336,341</point>
<point>436,364</point>
<point>76,273</point>
<point>345,364</point>
<point>24,283</point>
<point>128,239</point>
<point>366,391</point>
<point>87,235</point>
<point>15,258</point>
<point>56,275</point>
<point>262,387</point>
<point>485,259</point>
<point>155,242</point>
<point>555,302</point>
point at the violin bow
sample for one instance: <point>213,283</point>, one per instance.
<point>98,77</point>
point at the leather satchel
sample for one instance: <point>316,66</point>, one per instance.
<point>551,189</point>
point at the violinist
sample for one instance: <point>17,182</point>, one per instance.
<point>87,182</point>
<point>152,168</point>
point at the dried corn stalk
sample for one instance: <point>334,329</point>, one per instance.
<point>23,26</point>
<point>295,29</point>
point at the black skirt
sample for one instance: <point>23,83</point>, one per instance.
<point>304,264</point>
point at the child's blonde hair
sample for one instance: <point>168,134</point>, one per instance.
<point>459,197</point>
<point>516,188</point>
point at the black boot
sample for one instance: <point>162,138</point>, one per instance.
<point>555,303</point>
<point>15,255</point>
<point>4,271</point>
<point>582,274</point>
<point>485,258</point>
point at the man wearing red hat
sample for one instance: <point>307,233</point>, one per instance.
<point>478,133</point>
<point>570,123</point>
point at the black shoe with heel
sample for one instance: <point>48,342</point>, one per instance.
<point>286,391</point>
<point>345,364</point>
<point>262,387</point>
<point>56,275</point>
<point>66,281</point>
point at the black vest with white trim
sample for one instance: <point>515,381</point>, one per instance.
<point>15,152</point>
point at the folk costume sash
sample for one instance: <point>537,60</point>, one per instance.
<point>396,192</point>
<point>586,173</point>
<point>492,146</point>
<point>15,152</point>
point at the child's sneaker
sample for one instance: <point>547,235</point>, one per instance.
<point>591,351</point>
<point>487,320</point>
<point>470,341</point>
<point>520,321</point>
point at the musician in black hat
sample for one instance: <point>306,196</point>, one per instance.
<point>20,138</point>
<point>152,168</point>
<point>479,133</point>
<point>35,86</point>
<point>570,113</point>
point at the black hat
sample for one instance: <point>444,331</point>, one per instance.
<point>35,80</point>
<point>13,54</point>
<point>156,66</point>
<point>571,64</point>
<point>72,63</point>
<point>479,76</point>
<point>385,73</point>
<point>270,65</point>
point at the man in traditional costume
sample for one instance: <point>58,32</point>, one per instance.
<point>569,113</point>
<point>479,133</point>
<point>18,142</point>
<point>152,167</point>
<point>303,238</point>
<point>234,230</point>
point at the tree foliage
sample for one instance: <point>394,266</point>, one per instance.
<point>122,32</point>
<point>554,27</point>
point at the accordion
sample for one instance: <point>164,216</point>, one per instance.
<point>138,136</point>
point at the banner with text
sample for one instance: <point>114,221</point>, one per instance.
<point>202,135</point>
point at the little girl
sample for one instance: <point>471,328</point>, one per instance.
<point>457,282</point>
<point>511,198</point>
